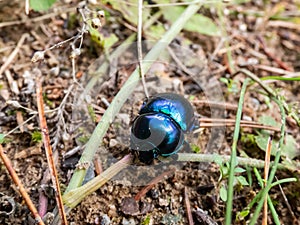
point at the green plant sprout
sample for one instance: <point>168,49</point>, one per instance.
<point>36,136</point>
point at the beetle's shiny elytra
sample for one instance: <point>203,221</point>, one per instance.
<point>159,129</point>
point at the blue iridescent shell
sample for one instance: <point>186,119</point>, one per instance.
<point>173,105</point>
<point>156,132</point>
<point>160,127</point>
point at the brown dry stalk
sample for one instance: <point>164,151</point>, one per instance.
<point>216,122</point>
<point>188,206</point>
<point>19,185</point>
<point>98,165</point>
<point>49,154</point>
<point>14,53</point>
<point>272,56</point>
<point>284,24</point>
<point>152,183</point>
<point>58,11</point>
<point>266,176</point>
<point>227,106</point>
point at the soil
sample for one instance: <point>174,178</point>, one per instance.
<point>263,37</point>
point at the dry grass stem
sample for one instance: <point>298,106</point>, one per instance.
<point>49,153</point>
<point>188,206</point>
<point>40,18</point>
<point>152,183</point>
<point>14,53</point>
<point>216,122</point>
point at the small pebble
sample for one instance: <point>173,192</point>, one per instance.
<point>54,71</point>
<point>154,193</point>
<point>163,202</point>
<point>112,212</point>
<point>128,221</point>
<point>243,27</point>
<point>113,143</point>
<point>105,220</point>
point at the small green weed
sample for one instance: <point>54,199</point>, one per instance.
<point>36,136</point>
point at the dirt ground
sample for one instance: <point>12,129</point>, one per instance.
<point>263,36</point>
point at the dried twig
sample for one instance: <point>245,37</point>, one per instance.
<point>152,183</point>
<point>43,199</point>
<point>217,122</point>
<point>49,154</point>
<point>98,165</point>
<point>19,185</point>
<point>37,19</point>
<point>275,70</point>
<point>188,206</point>
<point>296,221</point>
<point>231,48</point>
<point>27,7</point>
<point>22,124</point>
<point>13,84</point>
<point>14,53</point>
<point>272,56</point>
<point>227,106</point>
<point>284,24</point>
<point>20,120</point>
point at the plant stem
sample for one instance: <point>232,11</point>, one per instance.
<point>270,203</point>
<point>188,157</point>
<point>285,180</point>
<point>281,78</point>
<point>49,153</point>
<point>233,158</point>
<point>75,196</point>
<point>274,167</point>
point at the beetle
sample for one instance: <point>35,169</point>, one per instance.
<point>161,125</point>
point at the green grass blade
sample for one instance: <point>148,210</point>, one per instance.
<point>233,159</point>
<point>274,167</point>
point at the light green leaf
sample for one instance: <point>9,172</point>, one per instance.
<point>268,120</point>
<point>224,80</point>
<point>40,5</point>
<point>290,149</point>
<point>2,139</point>
<point>262,142</point>
<point>241,215</point>
<point>291,165</point>
<point>242,180</point>
<point>155,31</point>
<point>104,41</point>
<point>198,23</point>
<point>239,170</point>
<point>110,41</point>
<point>223,194</point>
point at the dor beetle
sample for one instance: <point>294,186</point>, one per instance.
<point>159,128</point>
